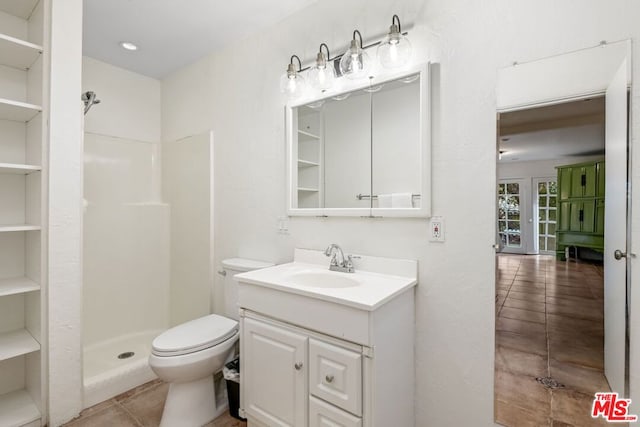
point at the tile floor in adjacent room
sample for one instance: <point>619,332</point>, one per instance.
<point>140,407</point>
<point>549,323</point>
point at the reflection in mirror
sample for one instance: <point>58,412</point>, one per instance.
<point>347,150</point>
<point>395,112</point>
<point>359,150</point>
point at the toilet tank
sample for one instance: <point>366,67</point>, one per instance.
<point>233,266</point>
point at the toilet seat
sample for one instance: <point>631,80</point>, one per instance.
<point>195,335</point>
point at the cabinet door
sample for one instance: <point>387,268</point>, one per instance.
<point>577,181</point>
<point>274,374</point>
<point>564,181</point>
<point>589,216</point>
<point>576,217</point>
<point>590,180</point>
<point>321,414</point>
<point>600,217</point>
<point>601,180</point>
<point>564,216</point>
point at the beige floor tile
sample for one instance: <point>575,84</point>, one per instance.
<point>574,408</point>
<point>520,326</point>
<point>146,407</point>
<point>528,289</point>
<point>526,296</point>
<point>513,416</point>
<point>525,305</point>
<point>521,362</point>
<point>519,314</point>
<point>111,416</point>
<point>579,378</point>
<point>527,343</point>
<point>523,392</point>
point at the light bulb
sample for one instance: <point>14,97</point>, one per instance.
<point>291,83</point>
<point>355,62</point>
<point>395,49</point>
<point>322,75</point>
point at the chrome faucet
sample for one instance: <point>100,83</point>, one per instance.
<point>338,262</point>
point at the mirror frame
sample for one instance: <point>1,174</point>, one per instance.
<point>345,85</point>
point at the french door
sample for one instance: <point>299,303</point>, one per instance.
<point>514,218</point>
<point>545,207</point>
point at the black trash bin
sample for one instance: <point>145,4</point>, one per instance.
<point>232,377</point>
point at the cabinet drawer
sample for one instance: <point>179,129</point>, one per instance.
<point>335,375</point>
<point>321,414</point>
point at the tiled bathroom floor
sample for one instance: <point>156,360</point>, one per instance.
<point>549,323</point>
<point>140,407</point>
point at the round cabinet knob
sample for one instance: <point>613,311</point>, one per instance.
<point>329,378</point>
<point>298,366</point>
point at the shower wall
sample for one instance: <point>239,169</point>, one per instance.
<point>126,225</point>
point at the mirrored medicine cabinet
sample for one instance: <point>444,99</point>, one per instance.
<point>362,150</point>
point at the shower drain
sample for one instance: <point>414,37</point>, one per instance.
<point>126,355</point>
<point>549,382</point>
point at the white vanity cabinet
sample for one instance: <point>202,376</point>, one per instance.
<point>327,357</point>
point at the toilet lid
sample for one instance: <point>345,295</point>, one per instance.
<point>194,335</point>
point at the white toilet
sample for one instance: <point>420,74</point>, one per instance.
<point>186,356</point>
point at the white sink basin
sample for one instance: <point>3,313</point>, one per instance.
<point>322,279</point>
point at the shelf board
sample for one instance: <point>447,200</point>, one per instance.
<point>18,111</point>
<point>308,190</point>
<point>17,343</point>
<point>16,169</point>
<point>307,136</point>
<point>18,53</point>
<point>306,164</point>
<point>20,227</point>
<point>20,8</point>
<point>17,285</point>
<point>17,409</point>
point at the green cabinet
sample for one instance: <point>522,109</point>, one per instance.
<point>581,206</point>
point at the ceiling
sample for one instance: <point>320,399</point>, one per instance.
<point>172,34</point>
<point>569,129</point>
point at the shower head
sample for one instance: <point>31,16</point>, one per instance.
<point>89,99</point>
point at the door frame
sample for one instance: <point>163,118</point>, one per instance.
<point>572,76</point>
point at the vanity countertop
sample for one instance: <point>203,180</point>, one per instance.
<point>375,281</point>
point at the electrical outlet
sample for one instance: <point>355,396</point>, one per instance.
<point>283,225</point>
<point>436,229</point>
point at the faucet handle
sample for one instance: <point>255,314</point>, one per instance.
<point>350,258</point>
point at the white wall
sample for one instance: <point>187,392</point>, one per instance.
<point>471,40</point>
<point>126,229</point>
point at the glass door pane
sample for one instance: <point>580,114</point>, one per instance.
<point>547,205</point>
<point>509,225</point>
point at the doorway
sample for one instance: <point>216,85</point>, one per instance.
<point>550,311</point>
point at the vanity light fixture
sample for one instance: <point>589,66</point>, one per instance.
<point>292,83</point>
<point>355,62</point>
<point>129,46</point>
<point>395,50</point>
<point>322,75</point>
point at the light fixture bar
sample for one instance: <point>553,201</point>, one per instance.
<point>364,47</point>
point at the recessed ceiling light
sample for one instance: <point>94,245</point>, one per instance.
<point>128,46</point>
<point>505,139</point>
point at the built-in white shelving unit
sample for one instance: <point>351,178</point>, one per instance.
<point>23,218</point>
<point>10,168</point>
<point>308,122</point>
<point>18,53</point>
<point>17,285</point>
<point>17,409</point>
<point>17,343</point>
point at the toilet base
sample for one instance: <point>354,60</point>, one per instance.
<point>190,404</point>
